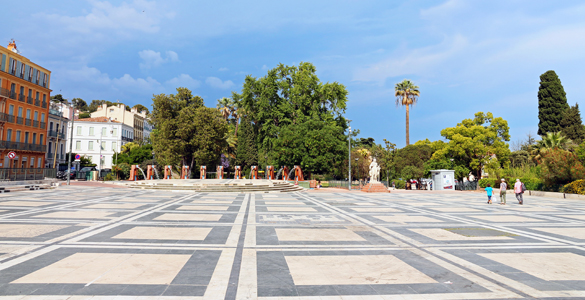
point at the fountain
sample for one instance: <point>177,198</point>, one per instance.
<point>254,172</point>
<point>279,173</point>
<point>156,172</point>
<point>238,174</point>
<point>219,172</point>
<point>139,168</point>
<point>168,172</point>
<point>203,172</point>
<point>185,172</point>
<point>270,172</point>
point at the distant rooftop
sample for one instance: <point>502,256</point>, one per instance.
<point>98,119</point>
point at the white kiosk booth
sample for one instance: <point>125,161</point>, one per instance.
<point>443,180</point>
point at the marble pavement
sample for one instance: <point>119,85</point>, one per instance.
<point>104,243</point>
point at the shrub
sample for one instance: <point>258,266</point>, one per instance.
<point>533,184</point>
<point>575,187</point>
<point>485,181</point>
<point>110,177</point>
<point>561,167</point>
<point>121,170</point>
<point>400,184</point>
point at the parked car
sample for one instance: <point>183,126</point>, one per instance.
<point>63,174</point>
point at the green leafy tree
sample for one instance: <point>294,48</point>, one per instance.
<point>572,125</point>
<point>552,140</point>
<point>292,99</point>
<point>141,108</point>
<point>224,105</point>
<point>552,103</point>
<point>473,142</point>
<point>58,99</point>
<point>560,167</point>
<point>247,151</point>
<point>407,94</point>
<point>412,155</point>
<point>186,132</point>
<point>412,172</point>
<point>80,104</point>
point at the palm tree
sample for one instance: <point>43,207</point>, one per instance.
<point>406,94</point>
<point>552,140</point>
<point>224,105</point>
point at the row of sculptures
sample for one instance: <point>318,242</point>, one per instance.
<point>151,172</point>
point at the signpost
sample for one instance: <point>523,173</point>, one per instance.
<point>77,157</point>
<point>11,154</point>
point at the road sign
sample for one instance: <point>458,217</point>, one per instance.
<point>11,154</point>
<point>77,157</point>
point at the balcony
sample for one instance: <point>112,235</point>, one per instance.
<point>54,134</point>
<point>29,100</point>
<point>43,125</point>
<point>55,112</point>
<point>37,102</point>
<point>22,146</point>
<point>12,95</point>
<point>44,104</point>
<point>4,117</point>
<point>28,122</point>
<point>19,120</point>
<point>4,92</point>
<point>21,98</point>
<point>36,124</point>
<point>127,139</point>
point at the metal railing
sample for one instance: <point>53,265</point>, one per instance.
<point>8,145</point>
<point>4,92</point>
<point>18,174</point>
<point>19,120</point>
<point>44,104</point>
<point>29,100</point>
<point>54,133</point>
<point>127,139</point>
<point>27,122</point>
<point>43,125</point>
<point>21,98</point>
<point>466,185</point>
<point>35,123</point>
<point>12,95</point>
<point>4,117</point>
<point>37,102</point>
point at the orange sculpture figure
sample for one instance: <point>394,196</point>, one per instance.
<point>254,172</point>
<point>150,172</point>
<point>285,172</point>
<point>203,172</point>
<point>238,173</point>
<point>185,172</point>
<point>219,172</point>
<point>298,174</point>
<point>168,172</point>
<point>270,173</point>
<point>133,172</point>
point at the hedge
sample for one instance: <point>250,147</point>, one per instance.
<point>575,187</point>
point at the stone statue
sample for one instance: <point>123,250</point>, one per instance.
<point>374,171</point>
<point>471,177</point>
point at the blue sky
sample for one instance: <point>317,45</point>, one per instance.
<point>466,56</point>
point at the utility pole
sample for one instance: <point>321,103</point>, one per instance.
<point>349,143</point>
<point>71,143</point>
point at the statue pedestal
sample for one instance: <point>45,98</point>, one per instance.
<point>375,187</point>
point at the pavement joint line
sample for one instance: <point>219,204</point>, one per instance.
<point>232,288</point>
<point>91,230</point>
<point>483,280</point>
<point>2,217</point>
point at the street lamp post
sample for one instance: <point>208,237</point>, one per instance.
<point>71,143</point>
<point>349,154</point>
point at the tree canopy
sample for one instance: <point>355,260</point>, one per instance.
<point>141,108</point>
<point>291,100</point>
<point>572,125</point>
<point>407,94</point>
<point>186,131</point>
<point>476,142</point>
<point>552,103</point>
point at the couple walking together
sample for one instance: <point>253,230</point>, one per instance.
<point>519,189</point>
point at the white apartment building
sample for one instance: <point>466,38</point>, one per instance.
<point>57,135</point>
<point>93,137</point>
<point>132,118</point>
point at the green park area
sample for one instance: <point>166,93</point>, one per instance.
<point>289,117</point>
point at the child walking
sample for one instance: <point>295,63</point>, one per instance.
<point>489,191</point>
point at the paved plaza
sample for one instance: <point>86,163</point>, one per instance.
<point>102,243</point>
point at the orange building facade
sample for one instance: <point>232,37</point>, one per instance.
<point>24,109</point>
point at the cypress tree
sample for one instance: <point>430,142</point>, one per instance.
<point>552,103</point>
<point>572,126</point>
<point>246,150</point>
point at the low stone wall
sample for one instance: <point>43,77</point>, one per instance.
<point>48,181</point>
<point>556,195</point>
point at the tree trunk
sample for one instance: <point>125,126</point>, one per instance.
<point>407,125</point>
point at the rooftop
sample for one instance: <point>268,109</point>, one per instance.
<point>98,119</point>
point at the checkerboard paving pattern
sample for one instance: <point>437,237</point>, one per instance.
<point>102,243</point>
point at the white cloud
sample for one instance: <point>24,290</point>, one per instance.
<point>223,69</point>
<point>140,15</point>
<point>153,59</point>
<point>183,80</point>
<point>217,83</point>
<point>127,82</point>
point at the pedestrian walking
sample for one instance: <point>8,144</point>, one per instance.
<point>519,189</point>
<point>489,190</point>
<point>503,187</point>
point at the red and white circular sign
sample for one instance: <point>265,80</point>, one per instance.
<point>11,154</point>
